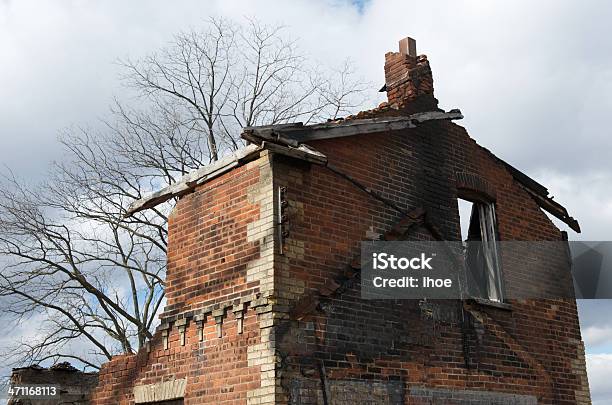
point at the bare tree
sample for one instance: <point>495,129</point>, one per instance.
<point>227,77</point>
<point>71,256</point>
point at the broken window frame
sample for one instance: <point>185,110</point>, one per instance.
<point>484,256</point>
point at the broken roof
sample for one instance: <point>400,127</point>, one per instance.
<point>289,140</point>
<point>286,139</point>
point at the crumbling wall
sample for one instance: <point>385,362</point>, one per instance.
<point>518,352</point>
<point>259,316</point>
<point>73,386</point>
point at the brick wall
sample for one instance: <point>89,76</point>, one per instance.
<point>72,386</point>
<point>219,281</point>
<point>532,349</point>
<point>302,345</point>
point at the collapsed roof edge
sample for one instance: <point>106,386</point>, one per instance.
<point>191,179</point>
<point>188,182</point>
<point>288,139</point>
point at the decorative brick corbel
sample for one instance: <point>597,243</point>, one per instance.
<point>239,314</point>
<point>200,321</point>
<point>182,328</point>
<point>259,302</point>
<point>218,315</point>
<point>165,332</point>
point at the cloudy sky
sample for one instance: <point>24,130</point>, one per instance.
<point>533,79</point>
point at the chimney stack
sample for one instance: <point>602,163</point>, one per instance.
<point>408,79</point>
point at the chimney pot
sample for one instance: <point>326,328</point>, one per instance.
<point>407,46</point>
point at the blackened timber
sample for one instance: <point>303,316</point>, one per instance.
<point>554,208</point>
<point>525,180</point>
<point>302,152</point>
<point>295,134</point>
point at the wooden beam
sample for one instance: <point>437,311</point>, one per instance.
<point>192,179</point>
<point>554,208</point>
<point>302,153</point>
<point>294,135</point>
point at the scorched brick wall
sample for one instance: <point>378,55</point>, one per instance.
<point>265,308</point>
<point>521,352</point>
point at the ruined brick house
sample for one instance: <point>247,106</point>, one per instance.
<point>74,387</point>
<point>263,287</point>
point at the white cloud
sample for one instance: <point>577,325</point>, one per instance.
<point>27,329</point>
<point>599,369</point>
<point>597,335</point>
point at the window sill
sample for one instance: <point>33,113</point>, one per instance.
<point>495,304</point>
